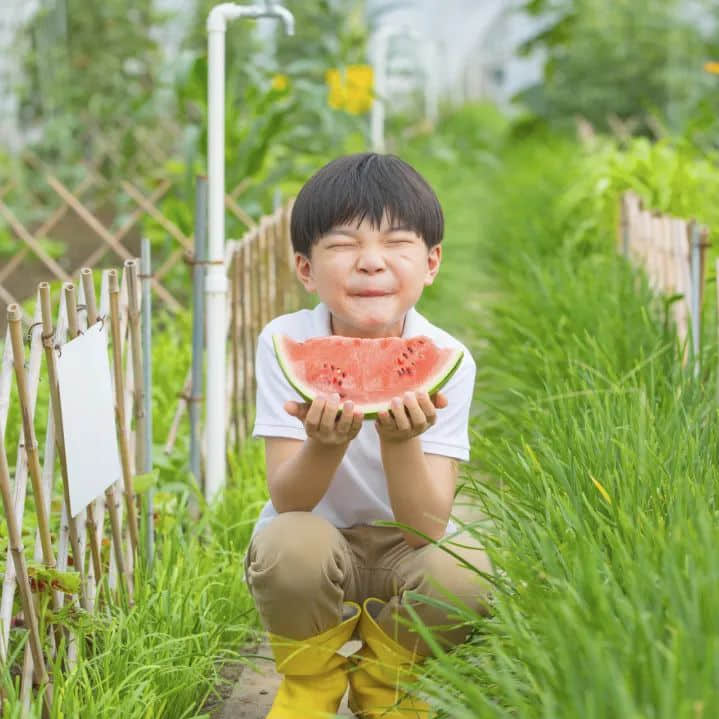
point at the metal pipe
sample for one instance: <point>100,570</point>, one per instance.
<point>198,325</point>
<point>216,278</point>
<point>380,52</point>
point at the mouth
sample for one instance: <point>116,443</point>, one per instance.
<point>372,293</point>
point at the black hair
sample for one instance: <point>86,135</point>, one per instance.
<point>365,185</point>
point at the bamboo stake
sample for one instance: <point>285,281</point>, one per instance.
<point>245,339</point>
<point>120,409</point>
<point>279,265</point>
<point>32,242</point>
<point>91,520</point>
<point>113,504</point>
<point>29,440</point>
<point>28,607</point>
<point>21,468</point>
<point>235,328</point>
<point>260,273</point>
<point>133,288</point>
<point>51,362</point>
<point>31,459</point>
<point>107,236</point>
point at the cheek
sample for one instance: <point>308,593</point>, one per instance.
<point>333,270</point>
<point>410,267</point>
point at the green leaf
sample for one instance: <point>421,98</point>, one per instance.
<point>143,482</point>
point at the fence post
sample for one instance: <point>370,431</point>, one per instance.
<point>695,249</point>
<point>145,280</point>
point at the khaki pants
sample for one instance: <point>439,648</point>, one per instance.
<point>300,569</point>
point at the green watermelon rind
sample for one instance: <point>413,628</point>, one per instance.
<point>370,411</point>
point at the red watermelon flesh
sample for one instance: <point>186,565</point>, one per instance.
<point>369,372</point>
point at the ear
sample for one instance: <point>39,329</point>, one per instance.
<point>303,270</point>
<point>434,259</point>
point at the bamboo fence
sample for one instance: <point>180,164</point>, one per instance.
<point>144,201</point>
<point>672,251</point>
<point>262,285</point>
<point>98,546</point>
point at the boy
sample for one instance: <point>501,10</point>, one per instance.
<point>366,230</point>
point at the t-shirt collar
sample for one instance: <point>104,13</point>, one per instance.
<point>324,327</point>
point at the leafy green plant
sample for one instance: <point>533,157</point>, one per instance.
<point>636,62</point>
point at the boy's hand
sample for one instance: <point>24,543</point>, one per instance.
<point>321,421</point>
<point>409,416</point>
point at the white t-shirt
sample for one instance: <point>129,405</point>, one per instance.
<point>357,493</point>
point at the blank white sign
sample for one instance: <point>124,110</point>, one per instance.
<point>88,417</point>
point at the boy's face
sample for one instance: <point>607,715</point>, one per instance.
<point>369,277</point>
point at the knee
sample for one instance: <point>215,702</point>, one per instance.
<point>442,576</point>
<point>294,554</point>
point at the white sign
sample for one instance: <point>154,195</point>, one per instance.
<point>88,417</point>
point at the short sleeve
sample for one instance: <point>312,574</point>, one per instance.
<point>449,436</point>
<point>273,390</point>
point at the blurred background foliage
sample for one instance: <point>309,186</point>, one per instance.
<point>99,88</point>
<point>627,64</point>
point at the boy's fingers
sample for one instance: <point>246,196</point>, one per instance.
<point>345,421</point>
<point>329,415</point>
<point>314,414</point>
<point>399,413</point>
<point>356,423</point>
<point>296,409</point>
<point>416,413</point>
<point>428,408</point>
<point>439,400</point>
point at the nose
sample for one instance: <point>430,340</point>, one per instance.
<point>370,261</point>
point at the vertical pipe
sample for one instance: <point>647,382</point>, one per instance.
<point>198,326</point>
<point>216,281</point>
<point>146,280</point>
<point>378,107</point>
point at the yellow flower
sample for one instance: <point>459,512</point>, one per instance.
<point>280,82</point>
<point>337,94</point>
<point>353,93</point>
<point>712,67</point>
<point>359,89</point>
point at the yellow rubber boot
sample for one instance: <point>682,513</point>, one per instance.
<point>379,671</point>
<point>314,674</point>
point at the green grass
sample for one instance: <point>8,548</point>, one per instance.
<point>601,450</point>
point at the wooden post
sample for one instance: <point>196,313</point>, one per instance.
<point>120,409</point>
<point>133,309</point>
<point>73,326</point>
<point>23,581</point>
<point>247,350</point>
<point>235,342</point>
<point>29,441</point>
<point>51,361</point>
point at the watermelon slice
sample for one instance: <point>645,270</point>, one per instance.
<point>370,372</point>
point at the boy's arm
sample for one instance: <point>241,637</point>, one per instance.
<point>299,473</point>
<point>421,488</point>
